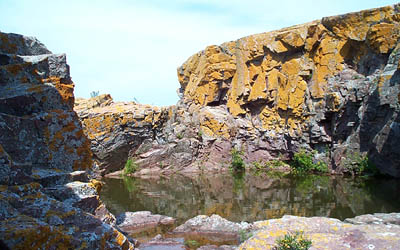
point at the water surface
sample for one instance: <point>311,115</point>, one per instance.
<point>251,198</point>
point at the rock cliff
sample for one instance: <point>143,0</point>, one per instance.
<point>331,85</point>
<point>47,201</point>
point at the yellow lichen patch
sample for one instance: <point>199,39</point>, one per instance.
<point>383,37</point>
<point>66,90</point>
<point>42,237</point>
<point>119,238</point>
<point>297,97</point>
<point>203,73</point>
<point>96,185</point>
<point>60,214</point>
<point>233,103</point>
<point>271,120</point>
<point>67,93</point>
<point>356,25</point>
<point>314,35</point>
<point>333,101</point>
<point>85,162</point>
<point>258,90</point>
<point>99,125</point>
<point>213,127</point>
<point>278,47</point>
<point>293,38</point>
<point>328,61</point>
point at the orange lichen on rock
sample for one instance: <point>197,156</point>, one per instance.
<point>383,37</point>
<point>66,90</point>
<point>211,125</point>
<point>283,67</point>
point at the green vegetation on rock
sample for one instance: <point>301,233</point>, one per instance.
<point>302,163</point>
<point>179,136</point>
<point>237,163</point>
<point>192,244</point>
<point>358,164</point>
<point>130,167</point>
<point>293,241</point>
<point>244,235</point>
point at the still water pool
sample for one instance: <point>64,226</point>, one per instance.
<point>251,198</point>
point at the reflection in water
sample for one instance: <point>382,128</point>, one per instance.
<point>250,198</point>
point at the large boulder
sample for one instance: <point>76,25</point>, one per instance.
<point>46,199</point>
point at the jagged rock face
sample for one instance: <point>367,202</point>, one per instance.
<point>115,129</point>
<point>44,156</point>
<point>330,85</point>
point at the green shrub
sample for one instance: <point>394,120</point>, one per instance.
<point>293,241</point>
<point>237,160</point>
<point>192,244</point>
<point>358,164</point>
<point>130,167</point>
<point>275,163</point>
<point>302,162</point>
<point>257,166</point>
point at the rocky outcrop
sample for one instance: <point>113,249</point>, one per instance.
<point>46,199</point>
<point>331,85</point>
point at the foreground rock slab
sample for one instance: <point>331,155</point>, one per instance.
<point>369,232</point>
<point>212,230</point>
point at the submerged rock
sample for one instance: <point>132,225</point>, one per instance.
<point>137,222</point>
<point>160,243</point>
<point>44,156</point>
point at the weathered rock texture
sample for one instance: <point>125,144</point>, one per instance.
<point>378,231</point>
<point>331,85</point>
<point>46,201</point>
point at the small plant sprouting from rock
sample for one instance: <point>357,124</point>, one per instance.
<point>237,163</point>
<point>244,235</point>
<point>130,167</point>
<point>179,136</point>
<point>192,244</point>
<point>302,163</point>
<point>293,241</point>
<point>94,94</point>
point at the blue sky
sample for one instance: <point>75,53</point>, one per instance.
<point>131,49</point>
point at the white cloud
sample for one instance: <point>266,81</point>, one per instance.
<point>132,48</point>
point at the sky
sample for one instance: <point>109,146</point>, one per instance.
<point>131,49</point>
